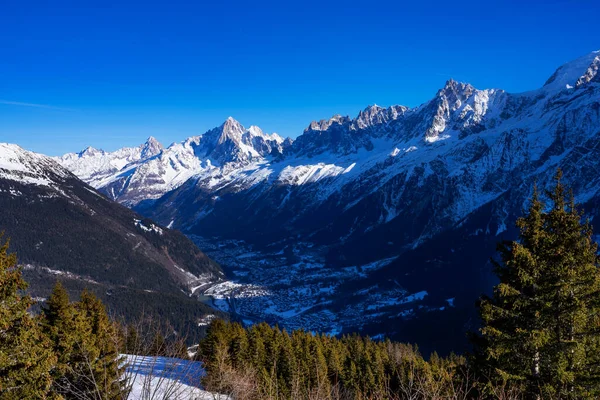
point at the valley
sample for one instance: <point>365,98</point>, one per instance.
<point>382,224</point>
<point>295,288</point>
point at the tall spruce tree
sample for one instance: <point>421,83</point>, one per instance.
<point>541,327</point>
<point>84,340</point>
<point>68,331</point>
<point>105,363</point>
<point>25,355</point>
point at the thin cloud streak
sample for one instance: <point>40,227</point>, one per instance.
<point>22,104</point>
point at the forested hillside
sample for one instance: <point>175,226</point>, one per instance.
<point>64,229</point>
<point>539,338</point>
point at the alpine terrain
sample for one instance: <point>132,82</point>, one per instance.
<point>63,229</point>
<point>383,223</point>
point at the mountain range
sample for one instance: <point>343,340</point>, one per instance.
<point>382,223</point>
<point>63,229</point>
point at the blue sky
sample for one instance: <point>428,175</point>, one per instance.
<point>111,73</point>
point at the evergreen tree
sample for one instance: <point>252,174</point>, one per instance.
<point>158,345</point>
<point>67,330</point>
<point>25,355</point>
<point>542,325</point>
<point>84,340</point>
<point>133,342</point>
<point>104,360</point>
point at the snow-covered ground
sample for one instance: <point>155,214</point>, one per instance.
<point>166,378</point>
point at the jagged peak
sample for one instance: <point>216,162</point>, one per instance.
<point>324,124</point>
<point>255,131</point>
<point>151,147</point>
<point>275,136</point>
<point>90,152</point>
<point>371,108</point>
<point>231,122</point>
<point>152,141</point>
<point>451,83</point>
<point>375,114</point>
<point>231,129</point>
<point>453,86</point>
<point>574,73</point>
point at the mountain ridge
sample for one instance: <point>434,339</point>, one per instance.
<point>231,146</point>
<point>422,187</point>
<point>63,229</point>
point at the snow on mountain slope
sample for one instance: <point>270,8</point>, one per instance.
<point>165,378</point>
<point>462,149</point>
<point>432,187</point>
<point>462,134</point>
<point>574,73</point>
<point>130,175</point>
<point>30,168</point>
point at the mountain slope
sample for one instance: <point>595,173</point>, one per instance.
<point>410,199</point>
<point>463,149</point>
<point>130,175</point>
<point>61,228</point>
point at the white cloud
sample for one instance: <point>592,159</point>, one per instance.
<point>22,104</point>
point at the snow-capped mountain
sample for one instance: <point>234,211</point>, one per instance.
<point>431,187</point>
<point>26,167</point>
<point>463,149</point>
<point>62,228</point>
<point>130,175</point>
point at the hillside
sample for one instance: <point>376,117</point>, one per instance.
<point>61,228</point>
<point>391,216</point>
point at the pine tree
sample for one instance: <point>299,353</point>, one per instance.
<point>133,343</point>
<point>158,345</point>
<point>67,330</point>
<point>25,358</point>
<point>541,326</point>
<point>84,340</point>
<point>105,364</point>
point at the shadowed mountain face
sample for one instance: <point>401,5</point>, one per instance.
<point>430,189</point>
<point>416,172</point>
<point>61,228</point>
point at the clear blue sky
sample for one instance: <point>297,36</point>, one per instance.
<point>111,73</point>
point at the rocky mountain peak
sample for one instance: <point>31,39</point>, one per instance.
<point>454,90</point>
<point>591,74</point>
<point>375,115</point>
<point>255,131</point>
<point>231,129</point>
<point>90,152</point>
<point>151,148</point>
<point>324,124</point>
<point>574,73</point>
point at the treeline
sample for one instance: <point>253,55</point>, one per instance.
<point>540,334</point>
<point>539,339</point>
<point>70,350</point>
<point>264,362</point>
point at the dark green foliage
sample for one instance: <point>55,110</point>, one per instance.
<point>158,346</point>
<point>85,341</point>
<point>99,243</point>
<point>25,358</point>
<point>305,365</point>
<point>542,325</point>
<point>105,362</point>
<point>132,340</point>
